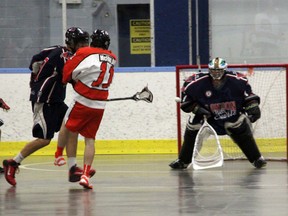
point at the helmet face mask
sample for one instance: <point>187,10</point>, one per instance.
<point>217,68</point>
<point>216,74</point>
<point>101,39</point>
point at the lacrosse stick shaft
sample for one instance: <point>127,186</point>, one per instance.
<point>123,98</point>
<point>145,95</point>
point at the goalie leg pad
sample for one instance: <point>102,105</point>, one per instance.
<point>190,134</point>
<point>241,133</point>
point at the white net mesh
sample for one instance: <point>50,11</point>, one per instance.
<point>207,151</point>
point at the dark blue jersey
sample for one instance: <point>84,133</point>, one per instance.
<point>226,103</point>
<point>46,85</point>
<point>42,55</point>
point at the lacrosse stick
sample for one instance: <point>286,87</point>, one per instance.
<point>145,95</point>
<point>207,151</point>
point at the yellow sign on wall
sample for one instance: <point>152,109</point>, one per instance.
<point>140,37</point>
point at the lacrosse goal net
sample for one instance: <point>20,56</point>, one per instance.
<point>270,131</point>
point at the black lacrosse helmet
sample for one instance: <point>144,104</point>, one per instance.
<point>74,35</point>
<point>100,38</point>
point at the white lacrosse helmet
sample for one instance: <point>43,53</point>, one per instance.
<point>217,67</point>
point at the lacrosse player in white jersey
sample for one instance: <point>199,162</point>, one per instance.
<point>90,71</point>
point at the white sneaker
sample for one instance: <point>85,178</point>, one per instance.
<point>59,161</point>
<point>84,181</point>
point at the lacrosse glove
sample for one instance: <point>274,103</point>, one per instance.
<point>3,105</point>
<point>253,111</point>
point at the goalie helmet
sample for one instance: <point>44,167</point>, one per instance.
<point>75,35</point>
<point>100,38</point>
<point>217,68</point>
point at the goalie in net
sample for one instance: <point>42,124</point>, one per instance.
<point>227,100</point>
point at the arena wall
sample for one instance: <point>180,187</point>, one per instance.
<point>127,127</point>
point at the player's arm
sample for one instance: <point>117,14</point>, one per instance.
<point>37,62</point>
<point>251,105</point>
<point>48,74</point>
<point>194,107</point>
<point>38,58</point>
<point>189,103</point>
<point>72,67</point>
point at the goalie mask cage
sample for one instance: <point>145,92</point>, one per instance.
<point>269,81</point>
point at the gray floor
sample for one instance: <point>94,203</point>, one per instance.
<point>144,185</point>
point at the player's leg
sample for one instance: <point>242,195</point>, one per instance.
<point>62,137</point>
<point>12,165</point>
<point>62,140</point>
<point>185,156</point>
<point>89,153</point>
<point>43,130</point>
<point>75,172</point>
<point>241,133</point>
<point>89,132</point>
<point>69,139</point>
<point>75,119</point>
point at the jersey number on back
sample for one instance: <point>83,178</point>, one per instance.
<point>100,81</point>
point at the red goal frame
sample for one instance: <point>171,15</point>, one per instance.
<point>178,87</point>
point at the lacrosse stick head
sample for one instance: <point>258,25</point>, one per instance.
<point>145,95</point>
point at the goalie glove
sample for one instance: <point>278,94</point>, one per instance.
<point>189,106</point>
<point>201,111</point>
<point>253,111</point>
<point>3,105</point>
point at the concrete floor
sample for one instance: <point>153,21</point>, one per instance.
<point>141,185</point>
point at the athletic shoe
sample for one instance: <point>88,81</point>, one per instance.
<point>1,170</point>
<point>85,182</point>
<point>75,173</point>
<point>10,167</point>
<point>59,161</point>
<point>260,162</point>
<point>178,164</point>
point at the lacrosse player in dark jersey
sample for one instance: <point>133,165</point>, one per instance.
<point>5,107</point>
<point>47,96</point>
<point>228,102</point>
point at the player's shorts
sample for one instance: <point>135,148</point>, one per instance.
<point>47,119</point>
<point>84,120</point>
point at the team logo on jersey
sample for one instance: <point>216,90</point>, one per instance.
<point>224,110</point>
<point>208,94</point>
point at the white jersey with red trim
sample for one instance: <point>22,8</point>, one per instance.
<point>91,72</point>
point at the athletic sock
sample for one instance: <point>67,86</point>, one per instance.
<point>71,162</point>
<point>18,158</point>
<point>59,151</point>
<point>86,169</point>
